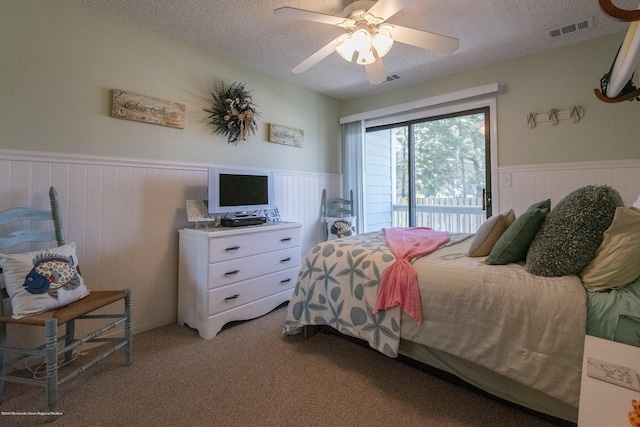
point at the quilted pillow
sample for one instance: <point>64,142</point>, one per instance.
<point>340,227</point>
<point>42,280</point>
<point>617,260</point>
<point>573,231</point>
<point>512,246</point>
<point>489,233</point>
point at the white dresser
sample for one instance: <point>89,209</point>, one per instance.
<point>238,273</point>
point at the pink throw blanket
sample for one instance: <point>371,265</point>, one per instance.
<point>399,283</point>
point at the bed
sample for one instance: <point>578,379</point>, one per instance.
<point>499,327</point>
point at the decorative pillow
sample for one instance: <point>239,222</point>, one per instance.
<point>573,231</point>
<point>340,227</point>
<point>544,204</point>
<point>617,260</point>
<point>42,280</point>
<point>512,246</point>
<point>489,233</point>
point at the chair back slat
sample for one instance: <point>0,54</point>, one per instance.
<point>24,214</point>
<point>338,206</point>
<point>22,236</point>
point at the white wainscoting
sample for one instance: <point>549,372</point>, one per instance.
<point>532,183</point>
<point>124,215</point>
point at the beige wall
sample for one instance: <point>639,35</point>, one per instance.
<point>61,58</point>
<point>558,78</point>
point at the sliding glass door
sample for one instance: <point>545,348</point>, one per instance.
<point>432,172</point>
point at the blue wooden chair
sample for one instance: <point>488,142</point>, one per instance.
<point>55,346</point>
<point>336,208</point>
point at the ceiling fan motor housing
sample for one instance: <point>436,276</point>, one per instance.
<point>357,7</point>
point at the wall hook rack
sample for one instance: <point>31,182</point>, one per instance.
<point>554,115</point>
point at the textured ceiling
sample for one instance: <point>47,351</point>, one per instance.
<point>248,33</point>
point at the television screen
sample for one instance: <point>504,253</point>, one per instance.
<point>243,190</point>
<point>240,190</point>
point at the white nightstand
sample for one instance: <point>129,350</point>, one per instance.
<point>603,404</point>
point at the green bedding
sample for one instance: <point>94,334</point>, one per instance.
<point>615,314</point>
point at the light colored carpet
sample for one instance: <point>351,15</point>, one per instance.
<point>251,375</point>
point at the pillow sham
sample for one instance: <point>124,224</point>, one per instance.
<point>42,280</point>
<point>489,233</point>
<point>573,231</point>
<point>617,260</point>
<point>512,246</point>
<point>340,227</point>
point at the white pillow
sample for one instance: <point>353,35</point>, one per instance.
<point>489,233</point>
<point>340,227</point>
<point>42,280</point>
<point>617,260</point>
<point>637,203</point>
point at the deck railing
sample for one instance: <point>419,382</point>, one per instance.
<point>446,214</point>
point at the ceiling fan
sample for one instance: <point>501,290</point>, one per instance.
<point>367,34</point>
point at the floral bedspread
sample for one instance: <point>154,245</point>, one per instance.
<point>319,299</point>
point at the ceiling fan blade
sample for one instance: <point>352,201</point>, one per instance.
<point>425,39</point>
<point>307,15</point>
<point>387,8</point>
<point>375,72</point>
<point>325,51</point>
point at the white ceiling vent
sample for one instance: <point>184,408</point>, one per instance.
<point>584,24</point>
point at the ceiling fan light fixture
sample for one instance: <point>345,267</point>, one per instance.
<point>366,57</point>
<point>382,43</point>
<point>345,47</point>
<point>361,38</point>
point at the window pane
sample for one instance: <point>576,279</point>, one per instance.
<point>427,173</point>
<point>450,173</point>
<point>378,195</point>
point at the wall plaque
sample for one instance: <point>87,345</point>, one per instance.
<point>141,108</point>
<point>284,135</point>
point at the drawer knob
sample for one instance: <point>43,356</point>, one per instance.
<point>285,281</point>
<point>232,297</point>
<point>286,239</point>
<point>230,273</point>
<point>233,248</point>
<point>286,259</point>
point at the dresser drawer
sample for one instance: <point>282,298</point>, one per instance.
<point>228,297</point>
<point>236,270</point>
<point>229,247</point>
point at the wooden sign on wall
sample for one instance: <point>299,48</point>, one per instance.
<point>284,135</point>
<point>141,108</point>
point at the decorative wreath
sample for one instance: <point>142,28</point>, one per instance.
<point>233,113</point>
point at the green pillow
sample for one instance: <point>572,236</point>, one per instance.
<point>514,243</point>
<point>545,204</point>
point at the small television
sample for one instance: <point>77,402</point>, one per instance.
<point>241,191</point>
